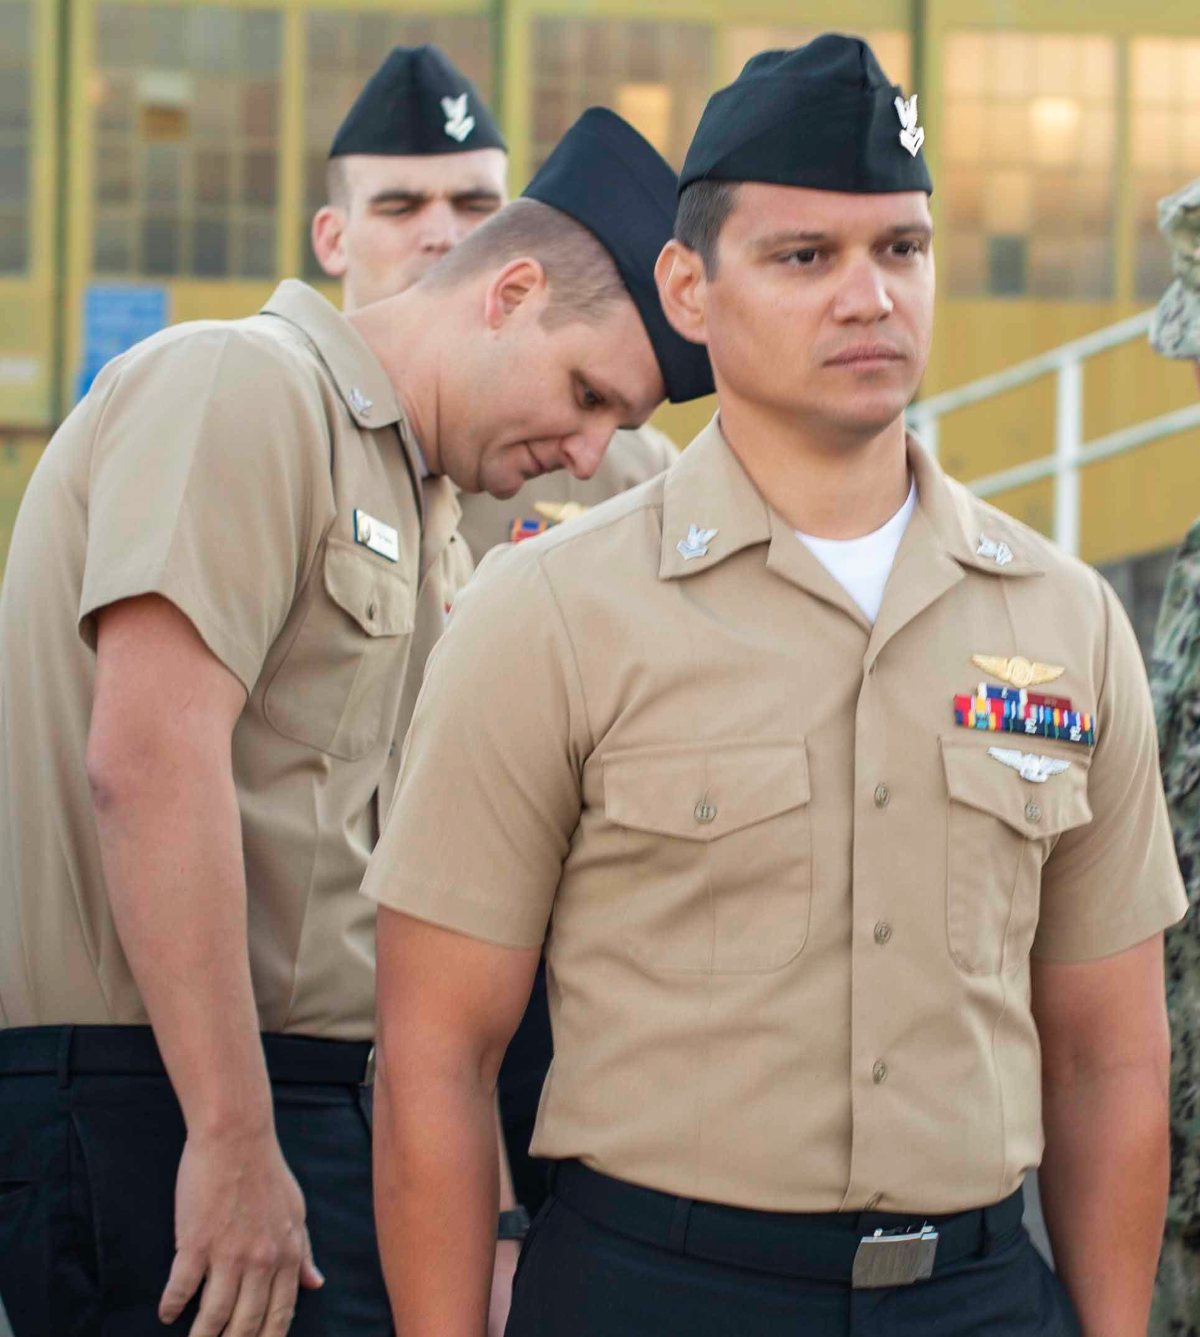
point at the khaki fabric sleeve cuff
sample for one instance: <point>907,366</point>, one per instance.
<point>242,662</point>
<point>1146,916</point>
<point>502,925</point>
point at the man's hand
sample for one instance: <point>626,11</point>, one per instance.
<point>239,1229</point>
<point>507,1252</point>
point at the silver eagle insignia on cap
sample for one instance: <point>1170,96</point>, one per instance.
<point>911,134</point>
<point>458,124</point>
<point>696,543</point>
<point>1037,770</point>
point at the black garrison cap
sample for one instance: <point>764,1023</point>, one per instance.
<point>606,176</point>
<point>416,103</point>
<point>823,115</point>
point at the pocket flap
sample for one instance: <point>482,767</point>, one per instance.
<point>703,791</point>
<point>378,599</point>
<point>979,780</point>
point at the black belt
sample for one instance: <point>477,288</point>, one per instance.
<point>863,1249</point>
<point>131,1051</point>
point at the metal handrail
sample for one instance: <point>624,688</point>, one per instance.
<point>1116,443</point>
<point>1070,453</point>
<point>1099,341</point>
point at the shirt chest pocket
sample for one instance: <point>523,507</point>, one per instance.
<point>1001,829</point>
<point>347,660</point>
<point>715,853</point>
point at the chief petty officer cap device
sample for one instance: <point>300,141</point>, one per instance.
<point>416,103</point>
<point>822,115</point>
<point>607,177</point>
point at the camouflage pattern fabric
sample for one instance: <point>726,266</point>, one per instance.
<point>1175,681</point>
<point>1175,331</point>
<point>1176,1310</point>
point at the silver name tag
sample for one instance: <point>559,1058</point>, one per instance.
<point>894,1260</point>
<point>377,536</point>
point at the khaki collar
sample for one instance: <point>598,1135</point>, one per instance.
<point>362,383</point>
<point>708,490</point>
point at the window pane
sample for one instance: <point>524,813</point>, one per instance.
<point>16,60</point>
<point>212,176</point>
<point>1029,164</point>
<point>162,175</point>
<point>14,99</point>
<point>14,176</point>
<point>160,246</point>
<point>258,250</point>
<point>210,247</point>
<point>657,74</point>
<point>1165,144</point>
<point>114,174</point>
<point>186,160</point>
<point>14,243</point>
<point>112,246</point>
<point>258,179</point>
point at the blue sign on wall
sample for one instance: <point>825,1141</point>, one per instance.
<point>115,317</point>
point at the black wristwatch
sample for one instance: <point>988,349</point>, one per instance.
<point>513,1225</point>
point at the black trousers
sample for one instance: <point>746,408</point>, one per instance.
<point>519,1087</point>
<point>581,1278</point>
<point>87,1182</point>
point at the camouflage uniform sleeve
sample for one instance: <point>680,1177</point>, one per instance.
<point>1175,684</point>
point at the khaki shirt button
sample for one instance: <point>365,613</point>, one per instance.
<point>371,612</point>
<point>883,796</point>
<point>879,1072</point>
<point>883,933</point>
<point>1032,812</point>
<point>705,813</point>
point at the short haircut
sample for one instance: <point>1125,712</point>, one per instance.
<point>581,275</point>
<point>337,185</point>
<point>704,208</point>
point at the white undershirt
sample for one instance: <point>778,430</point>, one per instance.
<point>862,566</point>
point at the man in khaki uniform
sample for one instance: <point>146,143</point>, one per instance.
<point>831,793</point>
<point>225,576</point>
<point>405,186</point>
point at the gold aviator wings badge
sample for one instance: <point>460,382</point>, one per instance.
<point>1018,671</point>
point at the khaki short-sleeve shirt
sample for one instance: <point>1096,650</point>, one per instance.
<point>631,458</point>
<point>788,905</point>
<point>259,474</point>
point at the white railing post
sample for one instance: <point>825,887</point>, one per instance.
<point>1068,441</point>
<point>930,434</point>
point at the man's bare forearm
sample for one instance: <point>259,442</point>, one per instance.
<point>160,767</point>
<point>1104,1188</point>
<point>436,1198</point>
<point>170,839</point>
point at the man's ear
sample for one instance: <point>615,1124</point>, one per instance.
<point>682,290</point>
<point>520,281</point>
<point>328,233</point>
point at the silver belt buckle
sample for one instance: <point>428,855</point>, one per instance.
<point>894,1258</point>
<point>368,1077</point>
